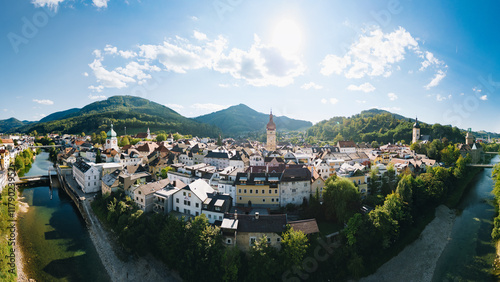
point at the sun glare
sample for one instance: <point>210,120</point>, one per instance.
<point>287,37</point>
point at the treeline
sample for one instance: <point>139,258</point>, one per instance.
<point>134,122</point>
<point>195,248</point>
<point>369,238</point>
<point>383,128</point>
<point>23,162</point>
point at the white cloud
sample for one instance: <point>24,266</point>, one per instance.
<point>39,116</point>
<point>175,107</point>
<point>484,97</point>
<point>100,3</point>
<point>97,97</point>
<point>334,101</point>
<point>200,36</point>
<point>85,74</point>
<point>440,98</point>
<point>365,87</point>
<point>51,4</point>
<point>435,81</point>
<point>324,101</point>
<point>193,18</point>
<point>260,65</point>
<point>372,55</point>
<point>209,107</point>
<point>312,85</point>
<point>361,101</point>
<point>43,102</point>
<point>392,96</point>
<point>430,60</point>
<point>389,109</point>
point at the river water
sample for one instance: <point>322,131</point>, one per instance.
<point>470,253</point>
<point>53,235</point>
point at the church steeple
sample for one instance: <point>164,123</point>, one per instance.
<point>271,133</point>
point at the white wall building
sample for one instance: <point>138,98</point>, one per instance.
<point>88,176</point>
<point>189,199</point>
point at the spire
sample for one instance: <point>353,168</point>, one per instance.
<point>271,125</point>
<point>416,124</point>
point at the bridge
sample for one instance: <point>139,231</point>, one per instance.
<point>481,165</point>
<point>45,146</point>
<point>30,180</point>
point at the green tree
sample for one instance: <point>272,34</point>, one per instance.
<point>375,144</point>
<point>165,170</point>
<point>102,137</point>
<point>405,189</point>
<point>341,199</point>
<point>83,134</point>
<point>161,137</point>
<point>124,141</point>
<point>263,264</point>
<point>294,246</point>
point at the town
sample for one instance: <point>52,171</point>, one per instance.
<point>248,189</point>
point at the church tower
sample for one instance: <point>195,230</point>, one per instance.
<point>416,131</point>
<point>469,138</point>
<point>111,140</point>
<point>271,134</point>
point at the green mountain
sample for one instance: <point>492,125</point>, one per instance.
<point>381,126</point>
<point>133,113</point>
<point>59,115</point>
<point>241,119</point>
<point>11,124</point>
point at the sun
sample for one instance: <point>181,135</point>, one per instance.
<point>287,36</point>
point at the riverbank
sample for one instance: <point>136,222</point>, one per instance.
<point>418,260</point>
<point>142,268</point>
<point>23,208</point>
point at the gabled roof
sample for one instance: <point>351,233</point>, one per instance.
<point>217,155</point>
<point>200,188</point>
<point>296,174</point>
<point>307,226</point>
<point>275,223</point>
<point>82,166</point>
<point>152,187</point>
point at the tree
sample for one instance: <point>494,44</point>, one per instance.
<point>375,144</point>
<point>102,137</point>
<point>294,246</point>
<point>83,134</point>
<point>98,158</point>
<point>263,262</point>
<point>338,138</point>
<point>405,189</point>
<point>161,137</point>
<point>165,170</point>
<point>341,199</point>
<point>373,182</point>
<point>219,141</point>
<point>124,141</point>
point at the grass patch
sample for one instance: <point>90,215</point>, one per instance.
<point>326,227</point>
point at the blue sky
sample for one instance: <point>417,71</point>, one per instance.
<point>310,60</point>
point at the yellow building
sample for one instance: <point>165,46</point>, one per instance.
<point>258,189</point>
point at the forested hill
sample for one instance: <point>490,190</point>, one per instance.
<point>11,123</point>
<point>240,119</point>
<point>380,126</point>
<point>134,113</point>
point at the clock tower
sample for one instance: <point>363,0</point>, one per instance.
<point>271,134</point>
<point>111,140</point>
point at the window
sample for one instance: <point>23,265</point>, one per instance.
<point>189,195</point>
<point>240,198</point>
<point>277,200</point>
<point>142,200</point>
<point>95,183</point>
<point>89,177</point>
<point>263,191</point>
<point>177,200</point>
<point>269,191</point>
<point>177,208</point>
<point>256,191</point>
<point>220,217</point>
<point>94,177</point>
<point>252,241</point>
<point>269,240</point>
<point>245,191</point>
<point>228,241</point>
<point>137,198</point>
<point>276,191</point>
<point>239,190</point>
<point>189,203</point>
<point>183,193</point>
<point>88,184</point>
<point>278,239</point>
<point>263,200</point>
<point>251,191</point>
<point>272,200</point>
<point>209,216</point>
<point>139,192</point>
<point>197,205</point>
<point>197,213</point>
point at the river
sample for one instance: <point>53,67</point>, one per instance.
<point>55,240</point>
<point>470,253</point>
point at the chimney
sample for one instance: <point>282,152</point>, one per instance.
<point>235,214</point>
<point>256,215</point>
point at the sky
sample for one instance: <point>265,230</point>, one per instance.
<point>309,60</point>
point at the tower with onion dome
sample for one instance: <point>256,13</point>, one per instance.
<point>271,134</point>
<point>111,140</point>
<point>416,131</point>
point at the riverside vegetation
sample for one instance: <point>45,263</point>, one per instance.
<point>370,239</point>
